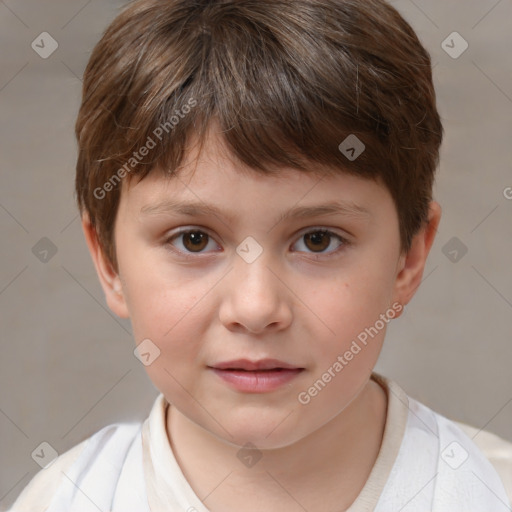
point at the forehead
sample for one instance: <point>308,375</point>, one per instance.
<point>210,177</point>
<point>241,201</point>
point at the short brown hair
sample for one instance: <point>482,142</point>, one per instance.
<point>287,80</point>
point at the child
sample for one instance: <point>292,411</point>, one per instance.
<point>219,142</point>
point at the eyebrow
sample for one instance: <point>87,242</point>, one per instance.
<point>346,208</point>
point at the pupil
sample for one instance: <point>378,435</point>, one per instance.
<point>317,238</point>
<point>194,239</point>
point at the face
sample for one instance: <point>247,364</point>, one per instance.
<point>253,281</point>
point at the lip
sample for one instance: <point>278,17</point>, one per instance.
<point>256,376</point>
<point>257,381</point>
<point>246,364</point>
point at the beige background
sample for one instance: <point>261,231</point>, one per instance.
<point>67,365</point>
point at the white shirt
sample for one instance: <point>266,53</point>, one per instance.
<point>426,463</point>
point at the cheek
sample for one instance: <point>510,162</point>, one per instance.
<point>164,306</point>
<point>350,305</point>
<point>171,315</point>
<point>348,351</point>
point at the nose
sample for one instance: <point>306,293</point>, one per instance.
<point>254,298</point>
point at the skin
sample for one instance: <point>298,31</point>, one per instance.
<point>293,303</point>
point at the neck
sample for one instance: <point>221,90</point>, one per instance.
<point>334,461</point>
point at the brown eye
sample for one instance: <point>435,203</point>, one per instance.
<point>317,240</point>
<point>192,241</point>
<point>195,240</point>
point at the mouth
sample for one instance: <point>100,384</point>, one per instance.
<point>256,376</point>
<point>263,365</point>
<point>259,371</point>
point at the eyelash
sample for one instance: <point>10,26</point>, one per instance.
<point>194,256</point>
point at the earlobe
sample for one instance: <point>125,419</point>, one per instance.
<point>412,264</point>
<point>109,278</point>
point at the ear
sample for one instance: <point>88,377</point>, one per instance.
<point>411,264</point>
<point>109,279</point>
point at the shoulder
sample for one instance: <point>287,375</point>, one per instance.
<point>497,450</point>
<point>38,493</point>
<point>463,472</point>
<point>439,467</point>
<point>104,451</point>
